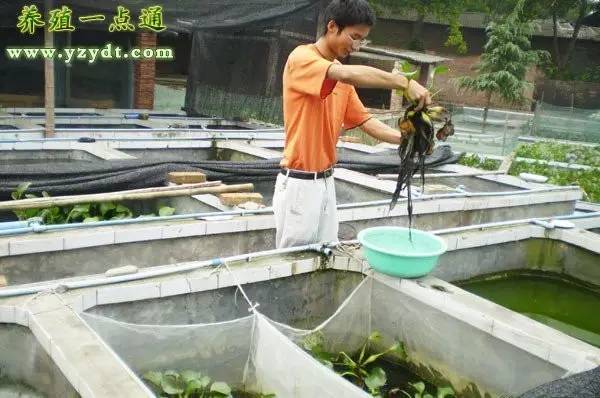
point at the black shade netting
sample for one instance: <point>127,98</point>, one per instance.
<point>64,178</point>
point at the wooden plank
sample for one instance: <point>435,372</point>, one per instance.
<point>186,177</point>
<point>234,199</point>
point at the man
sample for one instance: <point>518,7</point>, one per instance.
<point>319,101</point>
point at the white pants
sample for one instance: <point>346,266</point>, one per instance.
<point>305,211</point>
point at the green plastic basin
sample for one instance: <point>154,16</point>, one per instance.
<point>389,251</point>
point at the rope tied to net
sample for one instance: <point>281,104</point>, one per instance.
<point>251,306</point>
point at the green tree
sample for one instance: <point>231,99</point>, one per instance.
<point>572,11</point>
<point>575,11</point>
<point>444,10</point>
<point>506,58</point>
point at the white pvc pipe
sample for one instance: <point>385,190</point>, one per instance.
<point>145,274</point>
<point>267,210</point>
<point>319,247</point>
<point>501,224</point>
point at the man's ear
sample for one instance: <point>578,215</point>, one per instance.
<point>332,27</point>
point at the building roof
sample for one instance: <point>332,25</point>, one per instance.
<point>394,53</point>
<point>478,20</point>
<point>592,20</point>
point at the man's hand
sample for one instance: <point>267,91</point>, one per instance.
<point>418,94</point>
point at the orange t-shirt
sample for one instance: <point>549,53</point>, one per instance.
<point>315,110</point>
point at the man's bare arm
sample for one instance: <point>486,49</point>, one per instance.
<point>369,77</point>
<point>381,131</point>
<point>366,77</point>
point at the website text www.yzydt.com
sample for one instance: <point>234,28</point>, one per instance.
<point>89,54</point>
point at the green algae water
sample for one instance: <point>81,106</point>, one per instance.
<point>565,304</point>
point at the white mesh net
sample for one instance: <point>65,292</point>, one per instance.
<point>440,347</point>
<point>218,349</point>
<point>248,354</point>
<point>261,355</point>
<point>282,367</point>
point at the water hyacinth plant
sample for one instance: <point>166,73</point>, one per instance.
<point>359,368</point>
<point>187,384</point>
<point>81,212</point>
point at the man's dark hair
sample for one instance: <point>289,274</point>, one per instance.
<point>349,12</point>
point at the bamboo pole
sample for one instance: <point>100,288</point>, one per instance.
<point>153,189</point>
<point>41,203</point>
<point>176,187</point>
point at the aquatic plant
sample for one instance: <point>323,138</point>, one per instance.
<point>187,384</point>
<point>81,212</point>
<point>479,162</point>
<point>359,368</point>
<point>419,387</point>
<point>566,153</point>
<point>192,384</point>
<point>587,180</point>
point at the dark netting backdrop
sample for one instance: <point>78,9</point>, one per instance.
<point>236,72</point>
<point>238,50</point>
